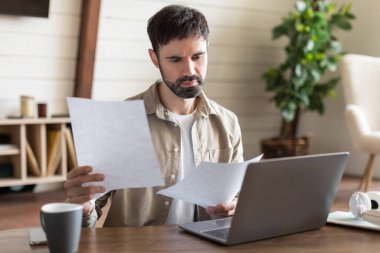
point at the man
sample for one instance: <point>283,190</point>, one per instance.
<point>185,125</point>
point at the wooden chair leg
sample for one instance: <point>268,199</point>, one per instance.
<point>368,173</point>
<point>364,177</point>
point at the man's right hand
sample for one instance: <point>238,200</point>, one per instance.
<point>76,192</point>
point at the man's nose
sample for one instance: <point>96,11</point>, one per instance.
<point>188,68</point>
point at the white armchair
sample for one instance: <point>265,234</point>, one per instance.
<point>361,85</point>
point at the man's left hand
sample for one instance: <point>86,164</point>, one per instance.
<point>222,210</point>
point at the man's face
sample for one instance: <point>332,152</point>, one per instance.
<point>183,66</point>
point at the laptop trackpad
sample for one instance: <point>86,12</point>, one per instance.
<point>221,233</point>
<point>218,228</point>
<point>219,223</point>
<point>201,226</point>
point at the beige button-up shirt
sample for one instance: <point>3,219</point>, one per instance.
<point>216,137</point>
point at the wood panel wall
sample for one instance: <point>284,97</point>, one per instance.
<point>38,57</point>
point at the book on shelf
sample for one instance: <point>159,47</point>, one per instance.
<point>71,149</point>
<point>54,152</point>
<point>8,147</point>
<point>32,163</point>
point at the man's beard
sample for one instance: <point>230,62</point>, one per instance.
<point>185,92</point>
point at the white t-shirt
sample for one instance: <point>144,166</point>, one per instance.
<point>180,211</point>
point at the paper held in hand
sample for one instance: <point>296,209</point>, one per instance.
<point>210,184</point>
<point>114,138</point>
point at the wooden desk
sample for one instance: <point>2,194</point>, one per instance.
<point>171,239</point>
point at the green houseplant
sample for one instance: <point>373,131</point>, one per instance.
<point>312,50</point>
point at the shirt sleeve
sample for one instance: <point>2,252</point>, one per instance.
<point>96,212</point>
<point>237,144</point>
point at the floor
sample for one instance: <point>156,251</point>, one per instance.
<point>19,210</point>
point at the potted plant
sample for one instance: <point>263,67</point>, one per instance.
<point>296,83</point>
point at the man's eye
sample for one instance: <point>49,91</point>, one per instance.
<point>175,59</point>
<point>196,57</point>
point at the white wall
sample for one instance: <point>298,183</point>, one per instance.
<point>240,50</point>
<point>38,56</point>
<point>329,132</point>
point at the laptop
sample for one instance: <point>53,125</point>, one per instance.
<point>279,197</point>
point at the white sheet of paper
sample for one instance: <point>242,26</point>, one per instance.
<point>210,184</point>
<point>348,219</point>
<point>114,138</point>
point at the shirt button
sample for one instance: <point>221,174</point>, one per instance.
<point>175,124</point>
<point>172,176</point>
<point>167,203</point>
<point>175,149</point>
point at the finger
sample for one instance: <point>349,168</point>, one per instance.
<point>213,212</point>
<point>219,215</point>
<point>228,206</point>
<point>231,212</point>
<point>79,171</point>
<point>79,180</point>
<point>83,194</point>
<point>89,190</point>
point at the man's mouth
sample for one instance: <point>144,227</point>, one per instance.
<point>187,84</point>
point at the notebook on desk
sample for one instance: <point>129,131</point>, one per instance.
<point>279,197</point>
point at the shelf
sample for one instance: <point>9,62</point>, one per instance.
<point>9,149</point>
<point>9,152</point>
<point>36,121</point>
<point>30,153</point>
<point>30,180</point>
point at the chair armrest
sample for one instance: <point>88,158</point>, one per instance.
<point>357,123</point>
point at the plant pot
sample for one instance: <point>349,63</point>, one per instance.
<point>276,147</point>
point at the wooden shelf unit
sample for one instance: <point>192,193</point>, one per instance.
<point>35,133</point>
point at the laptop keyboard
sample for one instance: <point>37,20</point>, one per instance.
<point>219,233</point>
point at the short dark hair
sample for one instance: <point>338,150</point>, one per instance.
<point>176,22</point>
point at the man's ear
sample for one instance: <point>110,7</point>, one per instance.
<point>153,57</point>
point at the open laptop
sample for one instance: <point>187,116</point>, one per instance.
<point>278,197</point>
